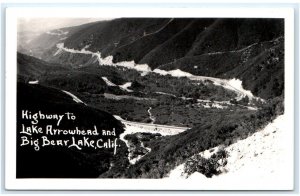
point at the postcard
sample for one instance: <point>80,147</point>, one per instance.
<point>149,99</point>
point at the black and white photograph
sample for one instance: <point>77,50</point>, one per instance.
<point>196,99</point>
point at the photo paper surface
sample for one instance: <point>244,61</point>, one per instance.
<point>158,101</point>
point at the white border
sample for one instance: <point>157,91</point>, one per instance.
<point>139,184</point>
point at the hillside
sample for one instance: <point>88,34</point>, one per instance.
<point>262,159</point>
<point>260,66</point>
<point>178,45</point>
<point>218,129</point>
<point>109,35</point>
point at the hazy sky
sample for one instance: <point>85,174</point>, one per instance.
<point>46,24</point>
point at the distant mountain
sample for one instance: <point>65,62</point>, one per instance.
<point>55,161</point>
<point>24,38</point>
<point>38,43</point>
<point>151,40</point>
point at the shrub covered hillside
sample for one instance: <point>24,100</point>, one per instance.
<point>260,66</point>
<point>170,151</point>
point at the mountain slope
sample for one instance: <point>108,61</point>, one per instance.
<point>214,130</point>
<point>137,49</point>
<point>177,46</point>
<point>233,34</point>
<point>106,36</point>
<point>132,39</point>
<point>262,159</point>
<point>259,66</point>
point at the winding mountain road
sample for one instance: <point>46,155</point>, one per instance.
<point>233,84</point>
<point>138,127</point>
